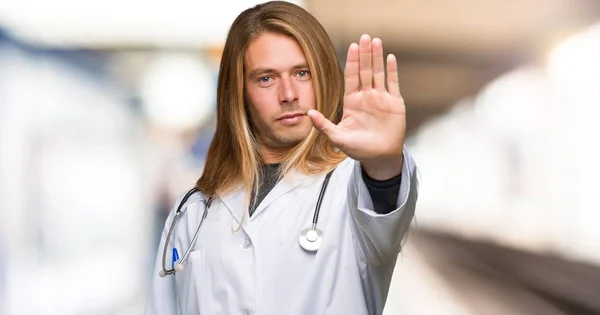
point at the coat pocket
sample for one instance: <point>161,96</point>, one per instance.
<point>192,285</point>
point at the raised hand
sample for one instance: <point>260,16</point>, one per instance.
<point>373,126</point>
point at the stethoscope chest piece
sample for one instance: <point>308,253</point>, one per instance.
<point>310,239</point>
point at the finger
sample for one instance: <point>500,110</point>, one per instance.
<point>351,79</point>
<point>378,70</point>
<point>325,126</point>
<point>365,61</point>
<point>392,80</point>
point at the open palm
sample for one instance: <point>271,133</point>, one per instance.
<point>374,122</point>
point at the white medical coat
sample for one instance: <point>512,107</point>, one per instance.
<point>261,269</point>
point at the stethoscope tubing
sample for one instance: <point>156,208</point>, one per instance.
<point>207,203</point>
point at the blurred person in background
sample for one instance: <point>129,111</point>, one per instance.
<point>249,238</point>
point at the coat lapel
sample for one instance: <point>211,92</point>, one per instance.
<point>288,183</point>
<point>235,200</point>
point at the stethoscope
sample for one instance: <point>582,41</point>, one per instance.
<point>309,239</point>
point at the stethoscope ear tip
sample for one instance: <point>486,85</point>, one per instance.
<point>178,267</point>
<point>162,273</point>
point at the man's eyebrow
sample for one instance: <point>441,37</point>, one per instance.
<point>259,71</point>
<point>300,66</point>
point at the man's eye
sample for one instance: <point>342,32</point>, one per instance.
<point>265,79</point>
<point>303,73</point>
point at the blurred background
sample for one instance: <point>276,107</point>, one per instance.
<point>107,109</point>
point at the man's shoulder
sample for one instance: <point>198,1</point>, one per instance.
<point>187,197</point>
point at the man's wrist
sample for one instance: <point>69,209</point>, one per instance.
<point>384,168</point>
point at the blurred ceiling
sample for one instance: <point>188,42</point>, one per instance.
<point>449,49</point>
<point>122,24</point>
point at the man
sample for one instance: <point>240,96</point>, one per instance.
<point>272,236</point>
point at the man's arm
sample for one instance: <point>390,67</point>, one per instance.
<point>384,193</point>
<point>378,236</point>
<point>161,297</point>
<point>372,133</point>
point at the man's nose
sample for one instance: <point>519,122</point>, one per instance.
<point>287,93</point>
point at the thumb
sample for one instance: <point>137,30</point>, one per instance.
<point>325,126</point>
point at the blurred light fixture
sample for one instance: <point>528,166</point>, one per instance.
<point>574,66</point>
<point>514,104</point>
<point>575,63</point>
<point>178,91</point>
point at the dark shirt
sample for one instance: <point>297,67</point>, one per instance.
<point>383,193</point>
<point>269,180</point>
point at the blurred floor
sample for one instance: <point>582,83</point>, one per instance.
<point>443,274</point>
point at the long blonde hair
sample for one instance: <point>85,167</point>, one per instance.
<point>233,155</point>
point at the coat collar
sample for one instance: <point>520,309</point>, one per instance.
<point>235,200</point>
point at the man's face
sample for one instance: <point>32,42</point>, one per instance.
<point>279,90</point>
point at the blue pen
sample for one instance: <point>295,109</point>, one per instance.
<point>175,258</point>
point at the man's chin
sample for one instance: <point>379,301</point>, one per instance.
<point>291,140</point>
